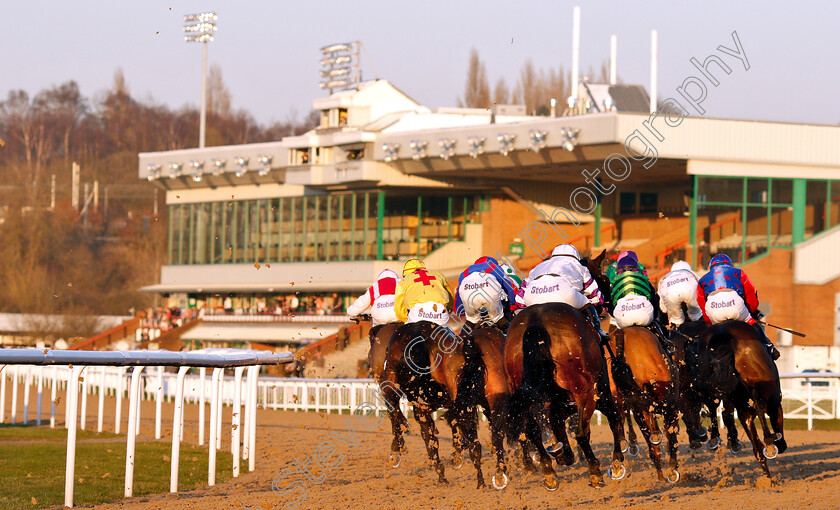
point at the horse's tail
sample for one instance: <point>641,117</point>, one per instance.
<point>538,369</point>
<point>471,378</point>
<point>621,372</point>
<point>720,373</point>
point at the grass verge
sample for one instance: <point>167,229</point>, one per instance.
<point>32,463</point>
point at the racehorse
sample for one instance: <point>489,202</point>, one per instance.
<point>553,359</point>
<point>379,337</point>
<point>734,366</point>
<point>482,382</point>
<point>426,362</point>
<point>646,383</point>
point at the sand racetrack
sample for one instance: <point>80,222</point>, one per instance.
<point>806,476</point>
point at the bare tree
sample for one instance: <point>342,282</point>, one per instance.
<point>218,95</point>
<point>501,93</point>
<point>477,88</point>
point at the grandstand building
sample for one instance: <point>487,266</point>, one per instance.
<point>257,228</point>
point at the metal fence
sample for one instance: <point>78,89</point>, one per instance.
<point>107,372</point>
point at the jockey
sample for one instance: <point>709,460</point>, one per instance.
<point>610,273</point>
<point>726,293</point>
<point>379,299</point>
<point>677,288</point>
<point>563,279</point>
<point>634,301</point>
<point>485,291</point>
<point>511,273</point>
<point>422,295</point>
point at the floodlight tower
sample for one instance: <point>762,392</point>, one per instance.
<point>200,28</point>
<point>340,67</point>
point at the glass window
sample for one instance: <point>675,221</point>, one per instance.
<point>815,207</point>
<point>782,191</point>
<point>757,191</point>
<point>627,203</point>
<point>719,189</point>
<point>648,202</point>
<point>781,226</point>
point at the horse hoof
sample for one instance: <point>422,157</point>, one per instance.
<point>535,458</point>
<point>617,474</point>
<point>596,482</point>
<point>633,450</point>
<point>781,444</point>
<point>553,448</point>
<point>713,444</point>
<point>623,444</point>
<point>673,476</point>
<point>499,486</point>
<point>457,463</point>
<point>735,446</point>
<point>770,451</point>
<point>656,438</point>
<point>394,460</point>
<point>551,485</point>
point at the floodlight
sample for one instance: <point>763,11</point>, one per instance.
<point>391,151</point>
<point>476,144</point>
<point>242,166</point>
<point>154,171</point>
<point>418,149</point>
<point>218,166</point>
<point>197,166</point>
<point>265,165</point>
<point>175,170</point>
<point>506,143</point>
<point>537,140</point>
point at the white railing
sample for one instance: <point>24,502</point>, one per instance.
<point>107,372</point>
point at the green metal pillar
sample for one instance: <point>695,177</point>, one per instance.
<point>340,227</point>
<point>234,231</point>
<point>246,228</point>
<point>692,222</point>
<point>280,229</point>
<point>799,196</point>
<point>327,231</point>
<point>191,238</point>
<point>181,234</point>
<point>380,223</point>
<point>353,207</point>
<point>769,213</point>
<point>365,231</point>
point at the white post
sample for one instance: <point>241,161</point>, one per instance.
<point>235,415</point>
<point>810,405</point>
<point>246,451</point>
<point>27,382</point>
<point>653,65</point>
<point>14,392</point>
<point>83,411</point>
<point>214,395</point>
<point>613,59</point>
<point>252,425</point>
<point>101,413</point>
<point>118,418</point>
<point>203,372</point>
<point>2,395</point>
<point>40,394</point>
<point>133,417</point>
<point>177,421</point>
<point>53,396</point>
<point>140,393</point>
<point>203,120</point>
<point>219,401</point>
<point>70,467</point>
<point>159,402</point>
<point>575,51</point>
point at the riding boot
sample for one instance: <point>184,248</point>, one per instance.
<point>663,338</point>
<point>592,315</point>
<point>774,353</point>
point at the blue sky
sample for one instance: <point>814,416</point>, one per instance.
<point>269,51</point>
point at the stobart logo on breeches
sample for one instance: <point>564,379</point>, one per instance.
<point>553,289</point>
<point>481,291</point>
<point>676,290</point>
<point>726,305</point>
<point>633,311</point>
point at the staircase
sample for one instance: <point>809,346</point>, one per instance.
<point>341,364</point>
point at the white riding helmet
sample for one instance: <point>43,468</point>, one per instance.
<point>565,249</point>
<point>387,273</point>
<point>682,265</point>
